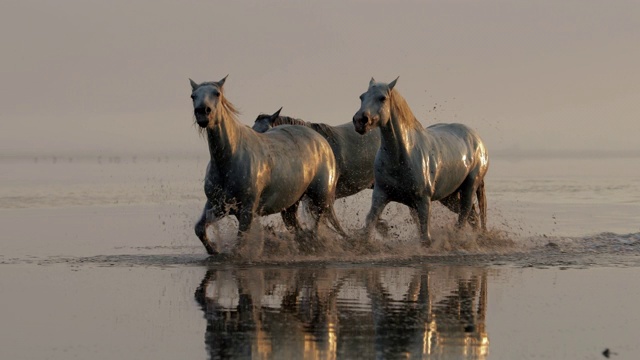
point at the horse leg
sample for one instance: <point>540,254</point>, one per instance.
<point>382,225</point>
<point>333,219</point>
<point>378,203</point>
<point>452,202</point>
<point>482,205</point>
<point>290,218</point>
<point>466,201</point>
<point>245,218</point>
<point>201,229</point>
<point>321,208</point>
<point>423,207</point>
<point>322,198</point>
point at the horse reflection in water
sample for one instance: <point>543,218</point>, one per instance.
<point>438,312</point>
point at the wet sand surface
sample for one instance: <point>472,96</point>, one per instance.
<point>95,266</point>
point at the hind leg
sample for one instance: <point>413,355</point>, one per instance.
<point>290,218</point>
<point>452,202</point>
<point>466,201</point>
<point>322,195</point>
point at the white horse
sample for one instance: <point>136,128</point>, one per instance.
<point>414,165</point>
<point>252,174</point>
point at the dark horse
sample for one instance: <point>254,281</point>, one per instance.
<point>414,165</point>
<point>252,174</point>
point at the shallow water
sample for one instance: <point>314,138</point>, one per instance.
<point>98,260</point>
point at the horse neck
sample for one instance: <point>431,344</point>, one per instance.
<point>225,138</point>
<point>396,133</point>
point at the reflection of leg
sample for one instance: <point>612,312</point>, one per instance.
<point>201,292</point>
<point>201,229</point>
<point>423,207</point>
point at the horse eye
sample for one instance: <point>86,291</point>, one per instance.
<point>361,97</point>
<point>382,98</point>
<point>216,93</point>
<point>193,97</point>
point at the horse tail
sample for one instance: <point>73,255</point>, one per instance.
<point>482,205</point>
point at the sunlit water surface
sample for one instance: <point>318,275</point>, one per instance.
<point>98,260</point>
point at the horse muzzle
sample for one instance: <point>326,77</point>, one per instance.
<point>361,124</point>
<point>202,115</point>
<point>203,123</point>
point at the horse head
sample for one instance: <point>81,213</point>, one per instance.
<point>265,122</point>
<point>374,106</point>
<point>206,97</point>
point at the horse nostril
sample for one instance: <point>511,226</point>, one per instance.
<point>207,110</point>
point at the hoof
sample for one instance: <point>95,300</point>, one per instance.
<point>211,250</point>
<point>383,228</point>
<point>219,258</point>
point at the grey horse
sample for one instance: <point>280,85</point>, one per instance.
<point>414,165</point>
<point>355,155</point>
<point>252,174</point>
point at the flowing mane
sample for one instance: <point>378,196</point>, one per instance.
<point>324,129</point>
<point>287,120</point>
<point>401,109</point>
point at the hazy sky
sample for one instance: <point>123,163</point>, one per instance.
<point>112,76</point>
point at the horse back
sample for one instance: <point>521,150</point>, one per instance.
<point>458,152</point>
<point>291,152</point>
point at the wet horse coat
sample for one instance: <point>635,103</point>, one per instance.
<point>354,153</point>
<point>414,165</point>
<point>252,174</point>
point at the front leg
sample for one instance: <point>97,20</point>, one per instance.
<point>201,228</point>
<point>422,207</point>
<point>378,203</point>
<point>245,218</point>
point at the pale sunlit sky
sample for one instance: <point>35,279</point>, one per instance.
<point>82,76</point>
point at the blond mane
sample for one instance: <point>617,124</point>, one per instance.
<point>401,109</point>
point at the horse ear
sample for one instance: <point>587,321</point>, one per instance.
<point>276,114</point>
<point>372,81</point>
<point>393,83</point>
<point>194,85</point>
<point>221,82</point>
